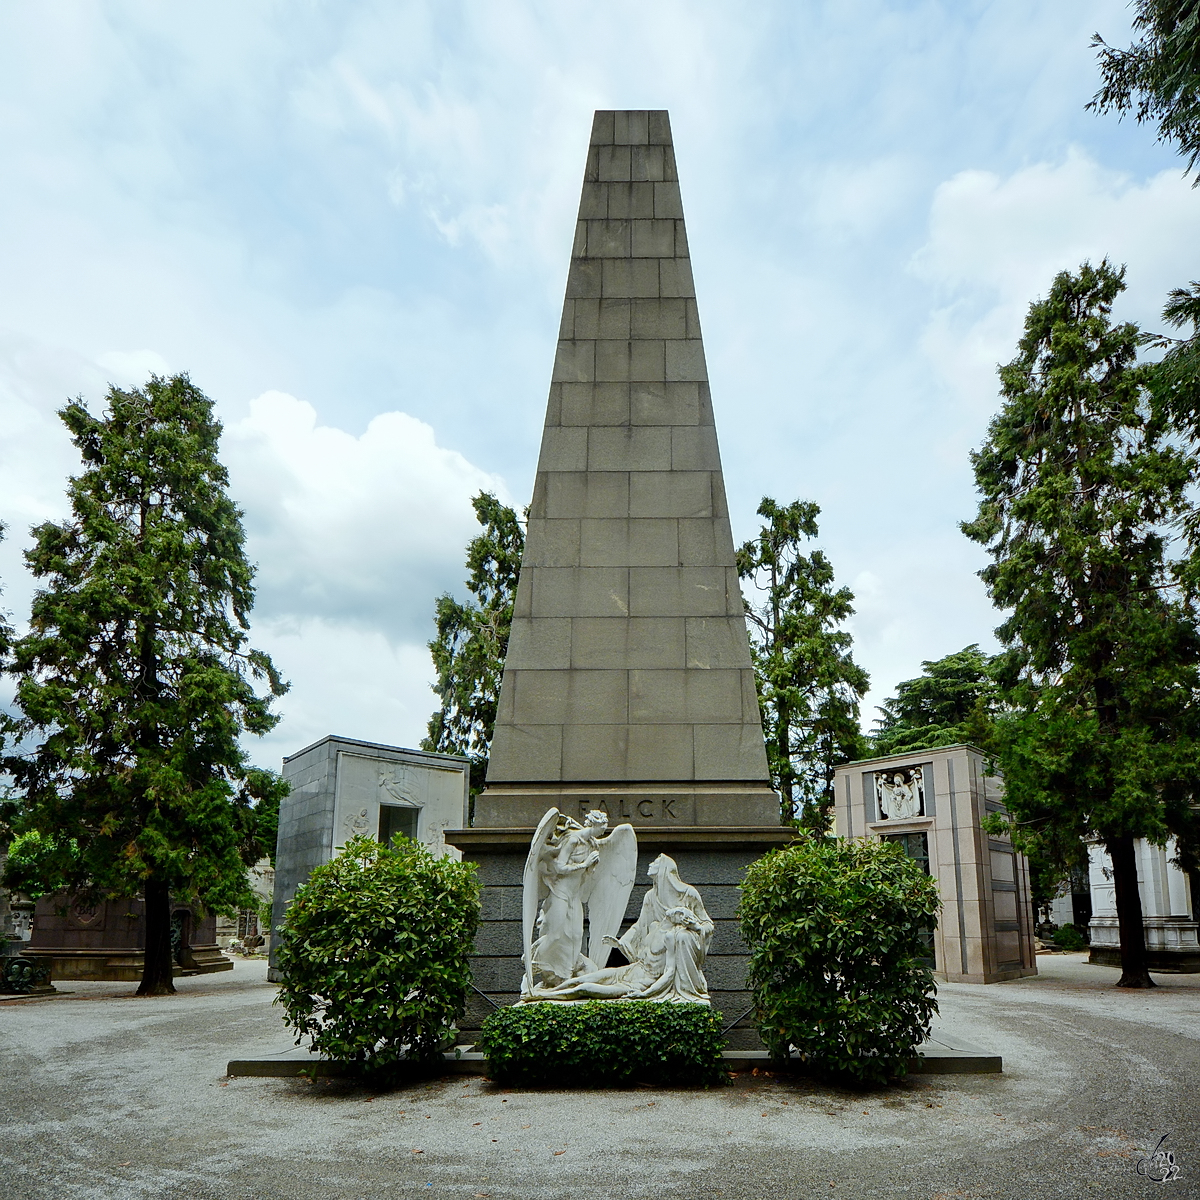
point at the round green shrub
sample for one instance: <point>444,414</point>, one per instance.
<point>373,953</point>
<point>604,1043</point>
<point>835,934</point>
<point>1068,937</point>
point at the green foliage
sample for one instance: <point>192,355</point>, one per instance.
<point>1067,937</point>
<point>134,681</point>
<point>40,864</point>
<point>808,684</point>
<point>373,953</point>
<point>835,935</point>
<point>1158,77</point>
<point>951,702</point>
<point>472,639</point>
<point>604,1043</point>
<point>1085,481</point>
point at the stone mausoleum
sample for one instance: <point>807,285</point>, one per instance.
<point>342,787</point>
<point>932,802</point>
<point>628,684</point>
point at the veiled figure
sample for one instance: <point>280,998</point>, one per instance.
<point>666,948</point>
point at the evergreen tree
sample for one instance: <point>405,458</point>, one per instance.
<point>472,640</point>
<point>808,684</point>
<point>949,703</point>
<point>1158,77</point>
<point>1083,481</point>
<point>134,679</point>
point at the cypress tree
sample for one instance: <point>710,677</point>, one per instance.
<point>135,681</point>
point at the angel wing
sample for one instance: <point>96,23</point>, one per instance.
<point>607,891</point>
<point>534,888</point>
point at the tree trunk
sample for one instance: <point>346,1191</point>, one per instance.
<point>1134,972</point>
<point>158,972</point>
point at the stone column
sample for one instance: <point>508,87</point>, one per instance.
<point>628,684</point>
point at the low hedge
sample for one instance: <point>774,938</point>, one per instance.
<point>604,1043</point>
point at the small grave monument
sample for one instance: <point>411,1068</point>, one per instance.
<point>342,788</point>
<point>932,803</point>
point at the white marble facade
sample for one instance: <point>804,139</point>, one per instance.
<point>1168,910</point>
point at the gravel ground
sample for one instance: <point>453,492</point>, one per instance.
<point>104,1095</point>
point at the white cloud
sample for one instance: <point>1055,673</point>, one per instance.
<point>344,680</point>
<point>363,531</point>
<point>132,368</point>
<point>995,244</point>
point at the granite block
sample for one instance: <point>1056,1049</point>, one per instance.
<point>579,494</point>
<point>671,494</point>
<point>631,201</point>
<point>685,360</point>
<point>729,752</point>
<point>647,362</point>
<point>659,127</point>
<point>716,642</point>
<point>654,403</point>
<point>690,697</point>
<point>676,591</point>
<point>659,752</point>
<point>585,277</point>
<point>647,542</point>
<point>525,752</point>
<point>629,448</point>
<point>565,448</point>
<point>705,543</point>
<point>575,362</point>
<point>594,404</point>
<point>595,752</point>
<point>612,361</point>
<point>631,127</point>
<point>617,643</point>
<point>593,203</point>
<point>628,277</point>
<point>694,447</point>
<point>553,542</point>
<point>658,318</point>
<point>603,125</point>
<point>582,591</point>
<point>675,278</point>
<point>648,162</point>
<point>653,239</point>
<point>608,238</point>
<point>613,162</point>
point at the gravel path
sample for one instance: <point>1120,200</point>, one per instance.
<point>107,1096</point>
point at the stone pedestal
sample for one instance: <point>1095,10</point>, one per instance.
<point>628,684</point>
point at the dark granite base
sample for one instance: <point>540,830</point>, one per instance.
<point>1185,962</point>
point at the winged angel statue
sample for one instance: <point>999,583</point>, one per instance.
<point>571,865</point>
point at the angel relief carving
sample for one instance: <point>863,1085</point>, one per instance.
<point>572,865</point>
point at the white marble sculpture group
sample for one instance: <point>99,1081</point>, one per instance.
<point>571,866</point>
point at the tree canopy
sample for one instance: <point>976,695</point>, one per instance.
<point>809,686</point>
<point>950,702</point>
<point>1158,77</point>
<point>135,682</point>
<point>472,639</point>
<point>1084,483</point>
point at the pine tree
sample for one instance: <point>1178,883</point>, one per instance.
<point>1158,77</point>
<point>809,686</point>
<point>1084,481</point>
<point>135,681</point>
<point>952,701</point>
<point>472,640</point>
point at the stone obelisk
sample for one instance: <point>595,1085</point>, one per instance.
<point>628,684</point>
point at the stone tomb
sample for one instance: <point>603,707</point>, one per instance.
<point>1168,897</point>
<point>342,787</point>
<point>933,802</point>
<point>628,685</point>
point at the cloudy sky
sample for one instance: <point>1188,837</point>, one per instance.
<point>351,221</point>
